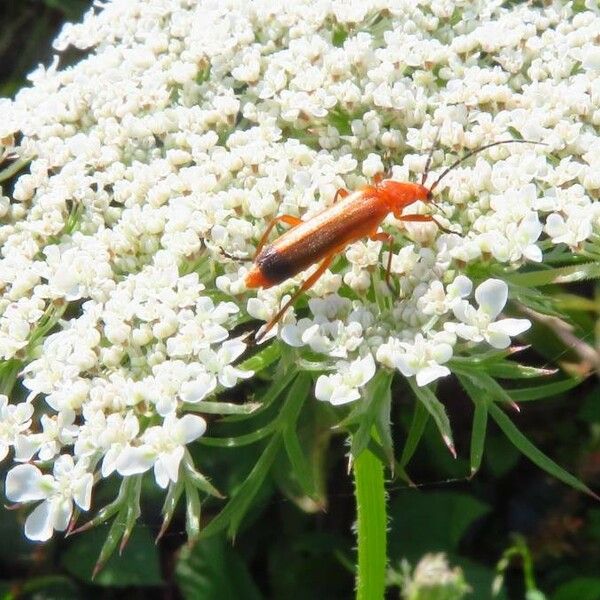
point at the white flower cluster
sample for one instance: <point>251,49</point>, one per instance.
<point>188,126</point>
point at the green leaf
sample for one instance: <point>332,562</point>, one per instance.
<point>581,272</point>
<point>240,440</point>
<point>544,391</point>
<point>417,427</point>
<point>193,511</point>
<point>138,565</point>
<point>212,570</point>
<point>294,450</point>
<point>13,168</point>
<point>437,410</point>
<point>221,408</point>
<point>113,508</point>
<point>235,509</point>
<point>480,417</point>
<point>233,513</point>
<point>383,426</point>
<point>262,359</point>
<point>515,133</point>
<point>170,504</point>
<point>581,588</point>
<point>300,466</point>
<point>197,479</point>
<point>376,392</point>
<point>511,370</point>
<point>339,36</point>
<point>533,453</point>
<point>485,384</point>
<point>281,382</point>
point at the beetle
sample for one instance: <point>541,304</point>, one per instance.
<point>355,216</point>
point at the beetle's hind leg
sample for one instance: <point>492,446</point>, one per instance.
<point>310,281</point>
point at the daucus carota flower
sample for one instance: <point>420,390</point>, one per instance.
<point>70,483</point>
<point>187,127</point>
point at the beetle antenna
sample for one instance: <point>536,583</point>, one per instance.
<point>430,155</point>
<point>476,151</point>
<point>232,256</point>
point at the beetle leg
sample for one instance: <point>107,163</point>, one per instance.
<point>341,193</point>
<point>310,281</point>
<point>289,219</point>
<point>385,237</point>
<point>379,177</point>
<point>425,219</point>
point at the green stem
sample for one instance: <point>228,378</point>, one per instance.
<point>13,168</point>
<point>369,491</point>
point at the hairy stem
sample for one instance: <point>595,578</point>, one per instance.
<point>369,491</point>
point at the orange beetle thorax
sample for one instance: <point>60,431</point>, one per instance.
<point>397,195</point>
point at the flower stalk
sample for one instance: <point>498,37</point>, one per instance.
<point>371,526</point>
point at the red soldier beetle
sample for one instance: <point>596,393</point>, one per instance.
<point>357,215</point>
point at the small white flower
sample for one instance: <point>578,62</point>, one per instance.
<point>15,420</point>
<point>162,447</point>
<point>572,231</point>
<point>479,324</point>
<point>424,358</point>
<point>70,483</point>
<point>342,387</point>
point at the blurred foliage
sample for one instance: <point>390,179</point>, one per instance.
<point>296,540</point>
<point>27,28</point>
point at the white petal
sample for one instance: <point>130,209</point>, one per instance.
<point>326,385</point>
<point>60,512</point>
<point>23,484</point>
<point>431,373</point>
<point>510,326</point>
<point>365,367</point>
<point>109,462</point>
<point>466,332</point>
<point>533,253</point>
<point>190,428</point>
<point>25,447</point>
<point>170,462</point>
<point>405,364</point>
<point>228,376</point>
<point>199,388</point>
<point>531,226</point>
<point>231,349</point>
<point>497,340</point>
<point>290,334</point>
<point>82,494</point>
<point>491,296</point>
<point>463,311</point>
<point>441,353</point>
<point>343,394</point>
<point>460,287</point>
<point>135,460</point>
<point>39,525</point>
<point>161,475</point>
